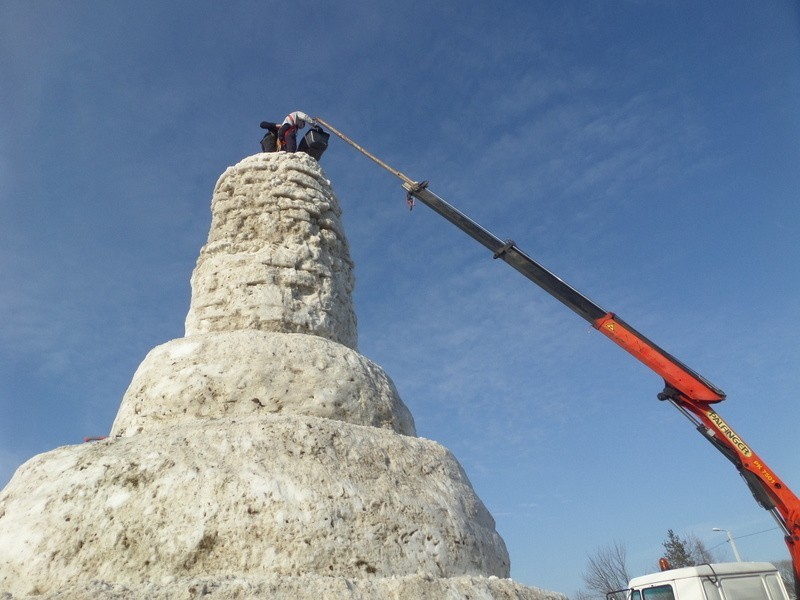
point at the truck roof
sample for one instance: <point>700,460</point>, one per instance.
<point>731,568</point>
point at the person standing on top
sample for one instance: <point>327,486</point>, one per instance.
<point>287,134</point>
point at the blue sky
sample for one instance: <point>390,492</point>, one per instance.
<point>646,152</point>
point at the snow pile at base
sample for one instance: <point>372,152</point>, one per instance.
<point>412,587</point>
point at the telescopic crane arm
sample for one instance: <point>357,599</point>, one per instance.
<point>684,388</point>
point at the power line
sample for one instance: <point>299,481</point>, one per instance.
<point>738,537</point>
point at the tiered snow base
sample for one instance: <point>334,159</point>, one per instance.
<point>250,373</point>
<point>252,497</point>
<point>260,456</point>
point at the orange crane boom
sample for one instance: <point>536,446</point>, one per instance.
<point>691,393</point>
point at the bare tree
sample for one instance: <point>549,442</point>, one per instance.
<point>786,570</point>
<point>698,550</point>
<point>606,571</point>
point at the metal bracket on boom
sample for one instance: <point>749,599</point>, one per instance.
<point>504,248</point>
<point>418,186</point>
<point>668,393</point>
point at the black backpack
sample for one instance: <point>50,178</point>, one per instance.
<point>314,142</point>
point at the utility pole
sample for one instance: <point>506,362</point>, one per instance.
<point>733,544</point>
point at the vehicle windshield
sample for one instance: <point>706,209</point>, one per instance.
<point>659,592</point>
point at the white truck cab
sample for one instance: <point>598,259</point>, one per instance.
<point>719,581</point>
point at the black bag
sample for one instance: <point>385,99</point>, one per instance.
<point>269,142</point>
<point>314,142</point>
